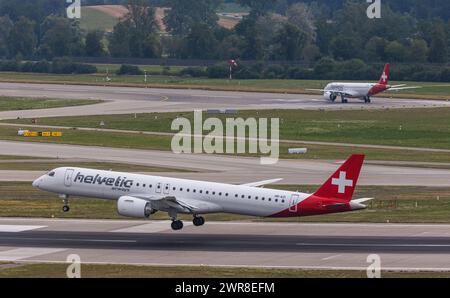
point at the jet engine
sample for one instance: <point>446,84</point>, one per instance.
<point>134,207</point>
<point>330,96</point>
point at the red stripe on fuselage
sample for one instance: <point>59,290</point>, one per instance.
<point>315,206</point>
<point>378,88</point>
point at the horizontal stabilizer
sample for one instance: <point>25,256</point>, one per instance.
<point>360,201</point>
<point>403,88</point>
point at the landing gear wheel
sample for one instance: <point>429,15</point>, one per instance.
<point>177,225</point>
<point>367,99</point>
<point>66,209</point>
<point>344,100</point>
<point>198,221</point>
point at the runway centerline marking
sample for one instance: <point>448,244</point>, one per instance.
<point>331,257</point>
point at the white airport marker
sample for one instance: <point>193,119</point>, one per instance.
<point>26,252</point>
<point>18,228</point>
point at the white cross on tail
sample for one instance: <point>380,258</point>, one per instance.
<point>342,182</point>
<point>384,77</point>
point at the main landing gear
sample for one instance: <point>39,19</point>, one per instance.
<point>344,100</point>
<point>367,99</point>
<point>177,225</point>
<point>198,221</point>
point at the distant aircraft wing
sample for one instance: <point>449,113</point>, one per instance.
<point>262,183</point>
<point>335,92</point>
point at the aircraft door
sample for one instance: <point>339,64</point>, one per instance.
<point>158,188</point>
<point>166,189</point>
<point>68,177</point>
<point>293,203</point>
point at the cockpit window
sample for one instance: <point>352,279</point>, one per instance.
<point>51,174</point>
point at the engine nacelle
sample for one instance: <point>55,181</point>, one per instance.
<point>329,96</point>
<point>134,207</point>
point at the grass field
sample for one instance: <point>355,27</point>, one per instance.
<point>128,271</point>
<point>392,204</point>
<point>14,157</point>
<point>152,142</point>
<point>430,90</point>
<point>151,69</point>
<point>27,103</point>
<point>427,128</point>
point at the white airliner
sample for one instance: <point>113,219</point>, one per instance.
<point>140,196</point>
<point>362,91</point>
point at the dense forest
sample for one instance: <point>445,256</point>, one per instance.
<point>311,31</point>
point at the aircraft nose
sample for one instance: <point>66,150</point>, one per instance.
<point>37,182</point>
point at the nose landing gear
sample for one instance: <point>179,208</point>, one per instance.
<point>66,207</point>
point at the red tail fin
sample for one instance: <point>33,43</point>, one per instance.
<point>384,79</point>
<point>341,184</point>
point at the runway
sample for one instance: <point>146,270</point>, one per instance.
<point>122,100</point>
<point>225,169</point>
<point>246,244</point>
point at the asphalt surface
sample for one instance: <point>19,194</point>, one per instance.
<point>225,169</point>
<point>294,245</point>
<point>122,100</point>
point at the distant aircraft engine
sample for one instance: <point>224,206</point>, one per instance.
<point>329,96</point>
<point>134,207</point>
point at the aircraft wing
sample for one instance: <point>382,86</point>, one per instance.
<point>335,92</point>
<point>181,204</point>
<point>262,183</point>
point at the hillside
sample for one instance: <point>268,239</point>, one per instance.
<point>105,17</point>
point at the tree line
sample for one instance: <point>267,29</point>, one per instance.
<point>410,31</point>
